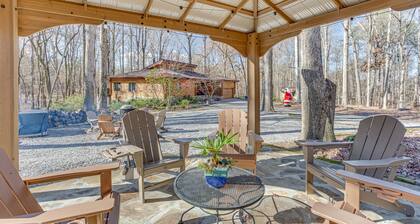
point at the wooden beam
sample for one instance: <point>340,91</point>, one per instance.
<point>406,5</point>
<point>279,11</point>
<point>338,3</point>
<point>267,44</point>
<point>278,5</point>
<point>187,10</point>
<point>148,6</point>
<point>349,11</point>
<point>222,5</point>
<point>253,62</point>
<point>232,14</point>
<point>9,80</point>
<point>73,12</point>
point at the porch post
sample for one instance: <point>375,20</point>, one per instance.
<point>253,61</point>
<point>9,79</point>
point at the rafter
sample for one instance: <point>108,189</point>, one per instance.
<point>148,6</point>
<point>255,15</point>
<point>346,12</point>
<point>279,11</point>
<point>232,14</point>
<point>187,10</point>
<point>65,12</point>
<point>222,5</point>
<point>278,5</point>
<point>338,3</point>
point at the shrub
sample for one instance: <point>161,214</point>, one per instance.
<point>184,103</point>
<point>149,103</point>
<point>71,103</point>
<point>115,105</point>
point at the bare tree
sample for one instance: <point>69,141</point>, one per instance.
<point>90,63</point>
<point>103,84</point>
<point>268,82</point>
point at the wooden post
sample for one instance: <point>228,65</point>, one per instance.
<point>253,60</point>
<point>9,79</point>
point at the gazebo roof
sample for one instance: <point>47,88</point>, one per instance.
<point>227,21</point>
<point>237,15</point>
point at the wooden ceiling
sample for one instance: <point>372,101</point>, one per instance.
<point>228,21</point>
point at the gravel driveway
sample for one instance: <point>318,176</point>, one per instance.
<point>71,146</point>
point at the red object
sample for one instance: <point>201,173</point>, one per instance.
<point>287,99</point>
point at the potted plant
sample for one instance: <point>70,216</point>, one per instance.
<point>216,168</point>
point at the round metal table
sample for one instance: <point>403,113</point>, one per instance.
<point>242,190</point>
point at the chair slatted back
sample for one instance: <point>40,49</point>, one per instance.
<point>106,127</point>
<point>235,121</point>
<point>161,117</point>
<point>378,137</point>
<point>140,131</point>
<point>104,117</point>
<point>15,197</point>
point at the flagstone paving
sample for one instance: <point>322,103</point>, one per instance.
<point>281,171</point>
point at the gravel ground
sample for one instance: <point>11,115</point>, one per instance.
<point>71,146</point>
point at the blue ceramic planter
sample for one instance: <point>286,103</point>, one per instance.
<point>217,178</point>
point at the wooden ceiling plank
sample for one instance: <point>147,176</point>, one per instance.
<point>222,5</point>
<point>278,5</point>
<point>279,11</point>
<point>232,14</point>
<point>74,11</point>
<point>187,10</point>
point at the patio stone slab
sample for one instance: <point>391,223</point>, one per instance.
<point>278,171</point>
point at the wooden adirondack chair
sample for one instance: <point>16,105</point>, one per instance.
<point>107,127</point>
<point>376,147</point>
<point>18,205</point>
<point>347,212</point>
<point>160,120</point>
<point>140,131</point>
<point>244,153</point>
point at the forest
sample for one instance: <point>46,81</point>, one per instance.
<point>373,59</point>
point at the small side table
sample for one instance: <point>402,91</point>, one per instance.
<point>242,190</point>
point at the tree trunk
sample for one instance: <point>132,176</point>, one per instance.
<point>103,85</point>
<point>356,69</point>
<point>387,64</point>
<point>268,82</point>
<point>416,99</point>
<point>89,74</point>
<point>369,56</point>
<point>344,94</point>
<point>297,69</point>
<point>318,93</point>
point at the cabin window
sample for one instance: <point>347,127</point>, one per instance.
<point>132,86</point>
<point>117,86</point>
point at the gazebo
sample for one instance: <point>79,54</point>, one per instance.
<point>250,26</point>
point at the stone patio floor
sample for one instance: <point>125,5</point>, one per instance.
<point>282,173</point>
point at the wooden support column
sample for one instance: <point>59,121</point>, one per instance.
<point>253,61</point>
<point>9,79</point>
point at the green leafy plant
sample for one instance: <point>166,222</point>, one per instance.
<point>184,103</point>
<point>213,147</point>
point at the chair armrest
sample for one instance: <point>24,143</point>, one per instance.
<point>71,174</point>
<point>324,145</point>
<point>336,215</point>
<point>380,163</point>
<point>68,213</point>
<point>184,145</point>
<point>385,187</point>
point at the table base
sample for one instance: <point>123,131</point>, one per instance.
<point>240,214</point>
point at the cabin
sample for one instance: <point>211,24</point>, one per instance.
<point>187,82</point>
